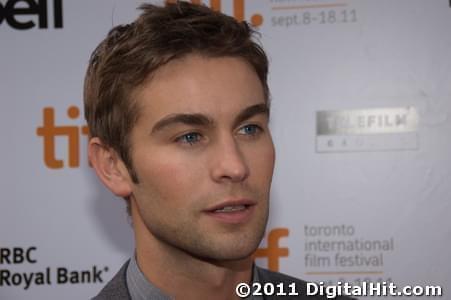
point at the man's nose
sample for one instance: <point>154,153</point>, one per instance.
<point>228,161</point>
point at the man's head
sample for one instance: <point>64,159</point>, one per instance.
<point>131,54</point>
<point>177,105</point>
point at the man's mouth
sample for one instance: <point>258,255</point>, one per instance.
<point>233,211</point>
<point>231,208</point>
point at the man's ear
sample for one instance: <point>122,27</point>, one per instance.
<point>110,169</point>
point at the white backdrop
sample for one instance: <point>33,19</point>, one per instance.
<point>366,199</point>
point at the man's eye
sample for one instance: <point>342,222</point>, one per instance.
<point>189,138</point>
<point>250,129</point>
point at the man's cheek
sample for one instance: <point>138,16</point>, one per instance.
<point>263,164</point>
<point>171,175</point>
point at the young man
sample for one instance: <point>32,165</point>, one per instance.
<point>177,105</point>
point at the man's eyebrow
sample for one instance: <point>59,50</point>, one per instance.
<point>188,119</point>
<point>251,111</point>
<point>203,120</point>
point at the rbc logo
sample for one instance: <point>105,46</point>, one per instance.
<point>10,11</point>
<point>16,255</point>
<point>49,131</point>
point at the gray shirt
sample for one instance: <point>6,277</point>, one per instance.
<point>142,289</point>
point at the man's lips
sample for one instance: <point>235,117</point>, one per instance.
<point>231,203</point>
<point>232,211</point>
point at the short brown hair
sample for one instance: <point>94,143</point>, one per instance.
<point>133,52</point>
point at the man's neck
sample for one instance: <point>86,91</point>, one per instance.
<point>183,276</point>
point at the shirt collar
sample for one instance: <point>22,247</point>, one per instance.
<point>142,289</point>
<point>139,287</point>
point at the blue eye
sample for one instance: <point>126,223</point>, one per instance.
<point>189,138</point>
<point>250,129</point>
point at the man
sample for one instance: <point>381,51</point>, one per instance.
<point>177,105</point>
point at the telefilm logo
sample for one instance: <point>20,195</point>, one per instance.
<point>374,129</point>
<point>15,13</point>
<point>19,256</point>
<point>238,10</point>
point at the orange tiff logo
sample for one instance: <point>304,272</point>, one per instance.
<point>238,10</point>
<point>273,252</point>
<point>49,132</point>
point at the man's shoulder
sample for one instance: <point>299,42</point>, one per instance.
<point>265,276</point>
<point>116,288</point>
<point>288,283</point>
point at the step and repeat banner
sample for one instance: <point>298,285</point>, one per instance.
<point>361,119</point>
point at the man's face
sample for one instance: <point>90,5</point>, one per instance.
<point>204,157</point>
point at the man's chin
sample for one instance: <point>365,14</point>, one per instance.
<point>229,256</point>
<point>230,250</point>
